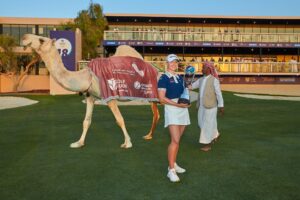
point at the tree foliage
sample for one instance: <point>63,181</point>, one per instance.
<point>92,24</point>
<point>9,64</point>
<point>8,61</point>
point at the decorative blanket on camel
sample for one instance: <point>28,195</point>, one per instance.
<point>125,78</point>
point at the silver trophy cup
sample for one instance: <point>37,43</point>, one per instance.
<point>188,78</point>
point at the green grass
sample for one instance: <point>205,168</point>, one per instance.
<point>257,156</point>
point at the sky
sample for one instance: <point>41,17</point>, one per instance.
<point>70,8</point>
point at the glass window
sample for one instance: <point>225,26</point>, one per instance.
<point>289,30</point>
<point>130,28</point>
<point>264,30</point>
<point>239,29</point>
<point>23,30</point>
<point>122,28</point>
<point>42,30</point>
<point>296,30</point>
<point>172,28</point>
<point>281,30</point>
<point>48,29</point>
<point>207,29</point>
<point>256,30</point>
<point>248,29</point>
<point>272,30</point>
<point>6,29</point>
<point>31,29</point>
<point>15,32</point>
<point>112,28</point>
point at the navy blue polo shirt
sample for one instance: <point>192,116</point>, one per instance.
<point>173,89</point>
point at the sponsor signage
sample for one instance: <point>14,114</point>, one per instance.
<point>200,44</point>
<point>65,44</point>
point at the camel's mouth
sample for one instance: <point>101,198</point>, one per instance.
<point>27,45</point>
<point>26,41</point>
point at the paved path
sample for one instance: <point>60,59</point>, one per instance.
<point>276,89</point>
<point>268,97</point>
<point>14,102</point>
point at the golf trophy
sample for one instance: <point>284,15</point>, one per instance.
<point>188,78</point>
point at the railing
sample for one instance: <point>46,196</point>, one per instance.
<point>202,36</point>
<point>230,67</point>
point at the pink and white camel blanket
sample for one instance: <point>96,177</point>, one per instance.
<point>125,78</point>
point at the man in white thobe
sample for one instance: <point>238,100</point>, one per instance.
<point>209,100</point>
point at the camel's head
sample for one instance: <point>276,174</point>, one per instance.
<point>38,43</point>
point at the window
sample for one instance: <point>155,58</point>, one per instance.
<point>6,29</point>
<point>23,30</point>
<point>48,29</point>
<point>31,29</point>
<point>15,32</point>
<point>42,30</point>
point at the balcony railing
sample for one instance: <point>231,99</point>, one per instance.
<point>231,67</point>
<point>202,36</point>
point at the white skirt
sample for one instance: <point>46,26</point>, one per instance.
<point>176,116</point>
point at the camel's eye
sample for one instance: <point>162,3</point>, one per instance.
<point>41,40</point>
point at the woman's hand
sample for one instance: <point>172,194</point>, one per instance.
<point>183,105</point>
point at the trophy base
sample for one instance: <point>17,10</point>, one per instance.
<point>184,101</point>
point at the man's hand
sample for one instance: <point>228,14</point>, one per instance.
<point>221,110</point>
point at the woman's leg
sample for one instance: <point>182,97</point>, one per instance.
<point>175,134</point>
<point>181,129</point>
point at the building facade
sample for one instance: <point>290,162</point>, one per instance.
<point>237,45</point>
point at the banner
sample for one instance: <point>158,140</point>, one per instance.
<point>65,44</point>
<point>200,44</point>
<point>125,78</point>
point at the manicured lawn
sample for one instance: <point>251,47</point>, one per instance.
<point>257,156</point>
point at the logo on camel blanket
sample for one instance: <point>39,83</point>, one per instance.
<point>140,72</point>
<point>117,84</point>
<point>124,77</point>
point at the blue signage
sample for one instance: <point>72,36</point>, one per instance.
<point>65,44</point>
<point>199,44</point>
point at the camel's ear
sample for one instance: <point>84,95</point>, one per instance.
<point>42,41</point>
<point>53,41</point>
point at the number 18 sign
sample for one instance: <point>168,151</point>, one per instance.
<point>65,44</point>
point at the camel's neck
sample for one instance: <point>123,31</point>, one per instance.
<point>77,81</point>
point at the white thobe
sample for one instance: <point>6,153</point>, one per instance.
<point>207,118</point>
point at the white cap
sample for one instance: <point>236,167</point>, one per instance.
<point>172,57</point>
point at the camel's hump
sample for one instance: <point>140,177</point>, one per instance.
<point>125,50</point>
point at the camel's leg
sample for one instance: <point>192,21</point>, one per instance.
<point>156,116</point>
<point>90,101</point>
<point>120,121</point>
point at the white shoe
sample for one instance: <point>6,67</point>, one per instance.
<point>179,169</point>
<point>173,176</point>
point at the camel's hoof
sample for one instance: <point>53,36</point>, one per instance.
<point>126,146</point>
<point>148,137</point>
<point>76,145</point>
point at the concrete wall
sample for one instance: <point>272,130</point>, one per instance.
<point>32,82</point>
<point>28,83</point>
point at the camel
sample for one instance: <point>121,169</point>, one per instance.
<point>86,82</point>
